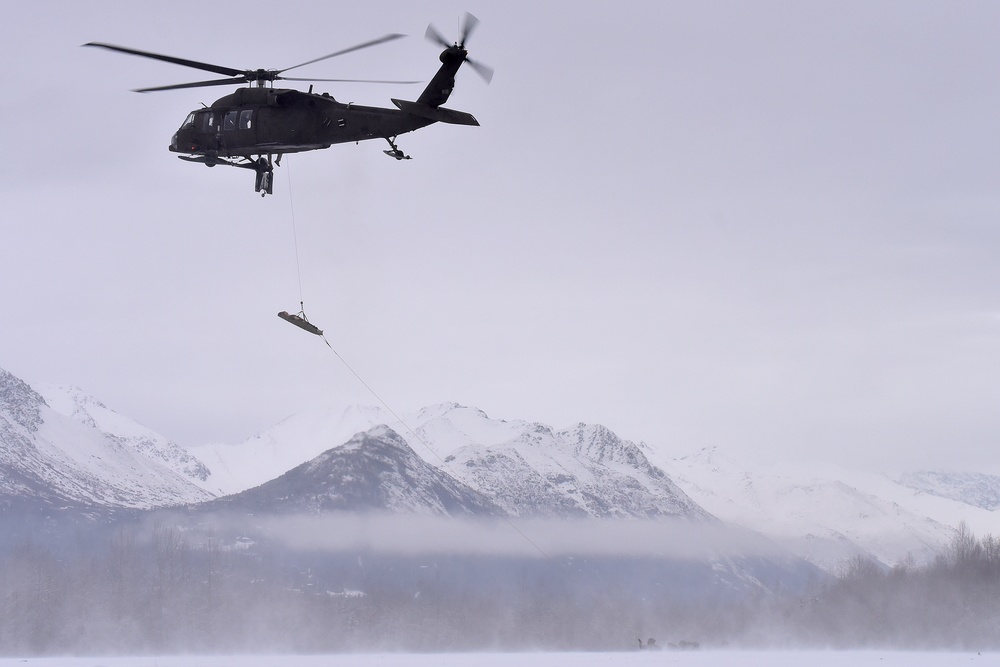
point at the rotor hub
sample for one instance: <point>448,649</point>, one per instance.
<point>453,54</point>
<point>262,75</point>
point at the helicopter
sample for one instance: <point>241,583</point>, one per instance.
<point>253,127</point>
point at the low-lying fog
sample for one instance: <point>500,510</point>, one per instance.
<point>408,534</point>
<point>197,583</point>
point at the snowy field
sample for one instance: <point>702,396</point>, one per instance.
<point>692,658</point>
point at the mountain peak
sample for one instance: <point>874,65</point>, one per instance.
<point>444,409</point>
<point>49,457</point>
<point>380,432</point>
<point>19,402</point>
<point>703,455</point>
<point>585,470</point>
<point>375,470</point>
<point>87,410</point>
<point>74,402</point>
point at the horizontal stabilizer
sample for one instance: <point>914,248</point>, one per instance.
<point>439,114</point>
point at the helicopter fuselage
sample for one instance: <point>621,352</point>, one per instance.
<point>255,121</point>
<point>256,124</point>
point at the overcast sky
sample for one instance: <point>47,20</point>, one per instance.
<point>767,226</point>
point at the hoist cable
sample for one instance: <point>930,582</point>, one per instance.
<point>295,238</point>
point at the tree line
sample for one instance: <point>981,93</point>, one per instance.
<point>164,588</point>
<point>952,603</point>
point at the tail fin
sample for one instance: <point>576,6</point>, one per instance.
<point>439,89</point>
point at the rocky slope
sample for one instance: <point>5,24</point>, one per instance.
<point>51,460</point>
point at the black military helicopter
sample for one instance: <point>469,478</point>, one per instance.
<point>254,126</point>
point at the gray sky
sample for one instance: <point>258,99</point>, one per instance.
<point>767,226</point>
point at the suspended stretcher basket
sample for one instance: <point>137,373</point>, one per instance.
<point>301,322</point>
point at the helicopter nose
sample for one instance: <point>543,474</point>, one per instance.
<point>173,142</point>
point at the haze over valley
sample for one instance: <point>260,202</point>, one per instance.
<point>569,538</point>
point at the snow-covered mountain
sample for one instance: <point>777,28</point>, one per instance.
<point>827,513</point>
<point>373,471</point>
<point>581,471</point>
<point>23,476</point>
<point>972,488</point>
<point>824,513</point>
<point>61,447</point>
<point>50,459</point>
<point>235,467</point>
<point>527,468</point>
<point>87,410</point>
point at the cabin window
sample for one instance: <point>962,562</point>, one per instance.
<point>246,119</point>
<point>229,121</point>
<point>206,121</point>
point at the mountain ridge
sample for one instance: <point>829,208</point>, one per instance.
<point>373,471</point>
<point>59,461</point>
<point>525,469</point>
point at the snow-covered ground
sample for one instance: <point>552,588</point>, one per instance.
<point>684,659</point>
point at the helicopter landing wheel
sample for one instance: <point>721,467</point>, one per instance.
<point>394,150</point>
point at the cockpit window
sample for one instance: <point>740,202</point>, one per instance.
<point>206,121</point>
<point>189,120</point>
<point>229,121</point>
<point>246,119</point>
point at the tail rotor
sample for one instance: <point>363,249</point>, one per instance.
<point>457,49</point>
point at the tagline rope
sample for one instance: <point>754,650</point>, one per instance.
<point>302,322</point>
<point>385,405</point>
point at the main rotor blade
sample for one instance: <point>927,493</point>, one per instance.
<point>433,35</point>
<point>364,45</point>
<point>218,69</point>
<point>196,84</point>
<point>468,26</point>
<point>482,70</point>
<point>295,78</point>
